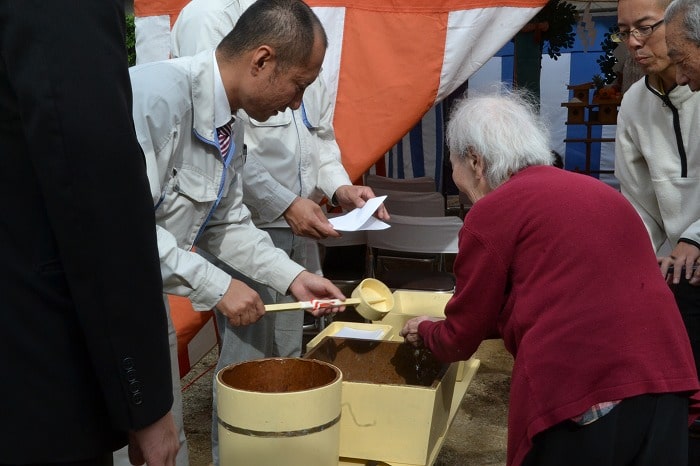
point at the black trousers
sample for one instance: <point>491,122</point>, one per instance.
<point>646,430</point>
<point>688,300</point>
<point>105,460</point>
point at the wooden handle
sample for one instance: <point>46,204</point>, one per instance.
<point>298,306</point>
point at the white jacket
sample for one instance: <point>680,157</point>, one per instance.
<point>657,160</point>
<point>198,198</point>
<point>291,154</point>
<point>201,24</point>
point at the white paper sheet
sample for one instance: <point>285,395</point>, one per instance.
<point>361,219</point>
<point>347,332</point>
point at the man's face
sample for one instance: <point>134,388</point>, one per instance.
<point>277,89</point>
<point>650,51</point>
<point>684,54</point>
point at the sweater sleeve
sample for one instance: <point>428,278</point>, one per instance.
<point>472,313</point>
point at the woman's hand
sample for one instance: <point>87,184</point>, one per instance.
<point>410,330</point>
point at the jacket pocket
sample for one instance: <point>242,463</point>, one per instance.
<point>281,119</point>
<point>194,185</point>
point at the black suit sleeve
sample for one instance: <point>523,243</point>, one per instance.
<point>80,281</point>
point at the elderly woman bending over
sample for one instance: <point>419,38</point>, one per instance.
<point>559,265</point>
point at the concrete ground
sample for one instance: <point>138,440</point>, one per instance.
<point>477,436</point>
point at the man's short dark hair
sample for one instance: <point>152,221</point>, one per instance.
<point>288,26</point>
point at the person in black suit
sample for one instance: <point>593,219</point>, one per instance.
<point>84,350</point>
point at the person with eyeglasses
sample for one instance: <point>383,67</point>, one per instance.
<point>657,161</point>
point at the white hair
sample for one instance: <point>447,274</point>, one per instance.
<point>504,128</point>
<point>691,19</point>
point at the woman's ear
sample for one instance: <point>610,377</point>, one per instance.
<point>476,163</point>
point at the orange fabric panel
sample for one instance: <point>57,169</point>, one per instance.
<point>389,78</point>
<point>187,323</point>
<point>425,6</point>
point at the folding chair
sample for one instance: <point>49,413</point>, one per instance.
<point>416,204</point>
<point>464,204</point>
<point>424,184</point>
<point>419,246</point>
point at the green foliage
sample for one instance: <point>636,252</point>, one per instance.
<point>598,81</point>
<point>561,17</point>
<point>607,61</point>
<point>130,39</point>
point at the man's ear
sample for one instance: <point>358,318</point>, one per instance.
<point>262,58</point>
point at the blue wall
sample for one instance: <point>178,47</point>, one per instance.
<point>583,68</point>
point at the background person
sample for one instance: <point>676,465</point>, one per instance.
<point>682,20</point>
<point>293,161</point>
<point>657,158</point>
<point>180,106</point>
<point>603,368</point>
<point>83,332</point>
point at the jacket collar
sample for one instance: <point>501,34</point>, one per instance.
<point>202,76</point>
<point>677,95</point>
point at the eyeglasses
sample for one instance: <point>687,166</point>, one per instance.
<point>639,33</point>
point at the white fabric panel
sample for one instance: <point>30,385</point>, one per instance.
<point>474,36</point>
<point>607,156</point>
<point>553,81</point>
<point>152,38</point>
<point>333,20</point>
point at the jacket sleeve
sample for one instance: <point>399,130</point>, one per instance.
<point>692,234</point>
<point>232,237</point>
<point>331,174</point>
<point>632,171</point>
<point>198,31</point>
<point>263,193</point>
<point>185,273</point>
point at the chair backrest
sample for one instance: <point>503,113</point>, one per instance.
<point>423,184</point>
<point>422,235</point>
<point>464,203</point>
<point>424,204</point>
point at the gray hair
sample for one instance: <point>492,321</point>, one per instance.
<point>691,20</point>
<point>288,26</point>
<point>504,128</point>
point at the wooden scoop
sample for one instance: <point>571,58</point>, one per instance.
<point>315,304</point>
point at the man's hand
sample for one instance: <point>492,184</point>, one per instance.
<point>307,286</point>
<point>241,304</point>
<point>351,197</point>
<point>306,218</point>
<point>155,445</point>
<point>683,256</point>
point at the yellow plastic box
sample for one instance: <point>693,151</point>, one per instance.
<point>383,419</point>
<point>352,330</point>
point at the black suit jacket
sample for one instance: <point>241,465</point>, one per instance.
<point>83,336</point>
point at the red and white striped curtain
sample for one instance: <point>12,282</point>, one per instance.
<point>388,62</point>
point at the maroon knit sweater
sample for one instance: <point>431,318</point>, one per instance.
<point>561,267</point>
